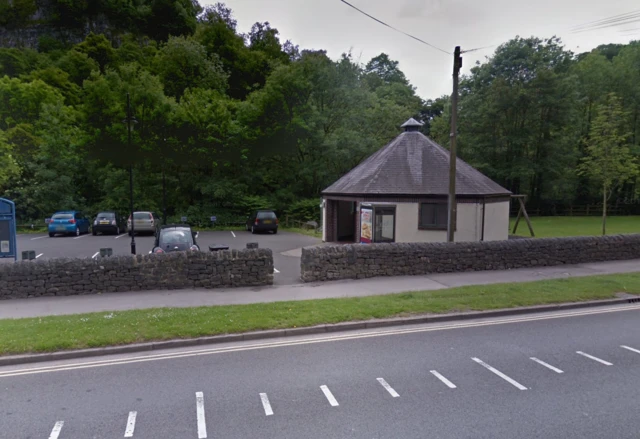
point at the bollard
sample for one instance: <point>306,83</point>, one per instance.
<point>252,245</point>
<point>28,255</point>
<point>104,252</point>
<point>215,248</point>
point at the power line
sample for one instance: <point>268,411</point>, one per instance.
<point>616,20</point>
<point>596,22</point>
<point>395,29</point>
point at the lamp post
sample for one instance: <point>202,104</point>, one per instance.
<point>129,120</point>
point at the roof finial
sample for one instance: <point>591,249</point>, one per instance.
<point>411,125</point>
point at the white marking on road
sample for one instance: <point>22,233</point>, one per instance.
<point>275,270</point>
<point>37,256</point>
<point>591,357</point>
<point>119,236</point>
<point>630,349</point>
<point>443,379</point>
<point>131,424</point>
<point>388,387</point>
<point>202,425</point>
<point>56,430</point>
<point>81,236</point>
<point>547,365</point>
<point>234,235</point>
<point>149,251</point>
<point>332,400</point>
<point>95,256</point>
<point>39,237</point>
<point>266,404</point>
<point>500,374</point>
<point>306,341</point>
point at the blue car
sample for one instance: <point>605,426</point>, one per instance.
<point>68,223</point>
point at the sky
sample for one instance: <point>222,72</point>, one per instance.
<point>333,26</point>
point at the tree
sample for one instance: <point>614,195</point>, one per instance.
<point>609,161</point>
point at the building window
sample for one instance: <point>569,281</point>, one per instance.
<point>433,216</point>
<point>385,224</point>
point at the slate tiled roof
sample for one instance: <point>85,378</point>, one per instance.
<point>413,164</point>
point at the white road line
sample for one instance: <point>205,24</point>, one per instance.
<point>591,357</point>
<point>547,365</point>
<point>119,236</point>
<point>630,349</point>
<point>443,379</point>
<point>500,374</point>
<point>234,235</point>
<point>275,270</point>
<point>388,387</point>
<point>312,340</point>
<point>56,430</point>
<point>266,404</point>
<point>81,236</point>
<point>131,424</point>
<point>39,237</point>
<point>95,256</point>
<point>202,425</point>
<point>37,256</point>
<point>332,400</point>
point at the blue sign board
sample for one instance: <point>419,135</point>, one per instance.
<point>8,248</point>
<point>214,219</point>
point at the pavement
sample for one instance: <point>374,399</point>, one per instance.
<point>572,374</point>
<point>44,306</point>
<point>286,247</point>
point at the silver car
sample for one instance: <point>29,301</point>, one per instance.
<point>144,222</point>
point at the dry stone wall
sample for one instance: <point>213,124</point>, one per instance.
<point>357,261</point>
<point>65,277</point>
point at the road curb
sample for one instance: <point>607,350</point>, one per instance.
<point>290,332</point>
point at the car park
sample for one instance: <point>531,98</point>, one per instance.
<point>174,238</point>
<point>69,222</point>
<point>263,221</point>
<point>108,222</point>
<point>144,222</point>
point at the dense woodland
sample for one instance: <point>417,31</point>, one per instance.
<point>233,122</point>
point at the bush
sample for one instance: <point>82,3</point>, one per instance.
<point>305,210</point>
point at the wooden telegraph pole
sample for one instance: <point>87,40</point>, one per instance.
<point>452,210</point>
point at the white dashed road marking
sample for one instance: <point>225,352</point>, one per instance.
<point>332,400</point>
<point>630,349</point>
<point>56,430</point>
<point>388,387</point>
<point>591,357</point>
<point>266,404</point>
<point>500,374</point>
<point>275,270</point>
<point>81,236</point>
<point>202,425</point>
<point>95,256</point>
<point>234,235</point>
<point>547,365</point>
<point>131,424</point>
<point>443,379</point>
<point>39,237</point>
<point>120,236</point>
<point>37,256</point>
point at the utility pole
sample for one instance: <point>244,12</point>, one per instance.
<point>129,120</point>
<point>452,209</point>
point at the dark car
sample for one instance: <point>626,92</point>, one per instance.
<point>263,221</point>
<point>175,238</point>
<point>108,222</point>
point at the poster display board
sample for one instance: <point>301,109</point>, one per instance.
<point>366,225</point>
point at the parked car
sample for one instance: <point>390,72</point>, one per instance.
<point>68,222</point>
<point>108,222</point>
<point>263,221</point>
<point>175,238</point>
<point>144,222</point>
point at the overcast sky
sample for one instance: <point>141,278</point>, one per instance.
<point>333,26</point>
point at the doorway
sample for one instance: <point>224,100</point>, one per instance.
<point>384,224</point>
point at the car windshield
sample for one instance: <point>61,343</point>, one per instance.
<point>142,215</point>
<point>266,215</point>
<point>60,216</point>
<point>176,237</point>
<point>107,215</point>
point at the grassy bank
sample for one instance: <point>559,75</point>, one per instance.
<point>558,226</point>
<point>117,328</point>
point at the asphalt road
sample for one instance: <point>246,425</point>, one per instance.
<point>287,265</point>
<point>569,375</point>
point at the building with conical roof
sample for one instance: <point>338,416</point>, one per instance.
<point>399,194</point>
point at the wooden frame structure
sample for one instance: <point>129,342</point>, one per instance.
<point>522,212</point>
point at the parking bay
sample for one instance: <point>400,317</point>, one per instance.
<point>285,246</point>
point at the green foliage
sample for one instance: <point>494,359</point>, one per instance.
<point>305,210</point>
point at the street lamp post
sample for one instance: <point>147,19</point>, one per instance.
<point>129,120</point>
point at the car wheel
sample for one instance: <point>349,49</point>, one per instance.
<point>77,231</point>
<point>51,235</point>
<point>275,231</point>
<point>93,232</point>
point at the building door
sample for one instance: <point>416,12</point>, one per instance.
<point>385,224</point>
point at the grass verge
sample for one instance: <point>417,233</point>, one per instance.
<point>55,333</point>
<point>309,232</point>
<point>558,226</point>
